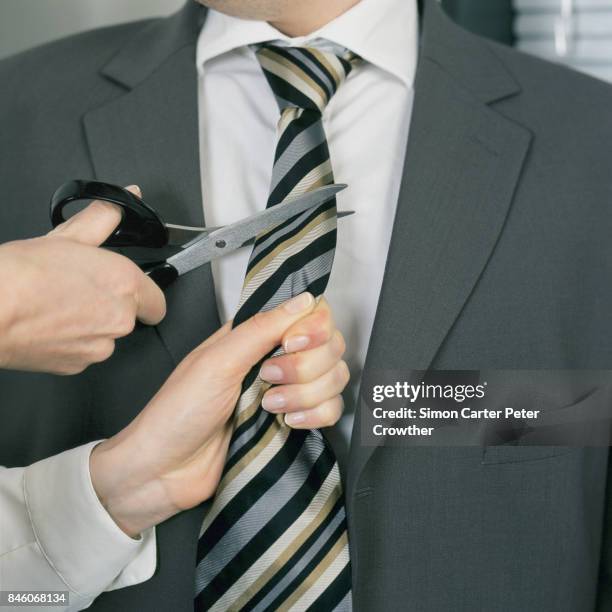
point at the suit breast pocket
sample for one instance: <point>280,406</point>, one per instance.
<point>493,455</point>
<point>567,421</point>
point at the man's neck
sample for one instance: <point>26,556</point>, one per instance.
<point>307,17</point>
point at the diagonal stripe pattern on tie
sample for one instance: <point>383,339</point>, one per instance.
<point>274,536</point>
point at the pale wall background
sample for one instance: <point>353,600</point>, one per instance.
<point>26,23</point>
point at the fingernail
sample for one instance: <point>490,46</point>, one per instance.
<point>296,343</point>
<point>299,303</point>
<point>295,418</point>
<point>338,342</point>
<point>273,401</point>
<point>135,188</point>
<point>271,373</point>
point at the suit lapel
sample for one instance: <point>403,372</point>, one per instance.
<point>462,165</point>
<point>149,136</point>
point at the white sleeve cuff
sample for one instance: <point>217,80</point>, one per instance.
<point>78,537</point>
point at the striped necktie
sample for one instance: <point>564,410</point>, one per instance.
<point>274,536</point>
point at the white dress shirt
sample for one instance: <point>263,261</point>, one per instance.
<point>55,535</point>
<point>366,123</point>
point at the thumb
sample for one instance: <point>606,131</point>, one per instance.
<point>94,224</point>
<point>252,340</point>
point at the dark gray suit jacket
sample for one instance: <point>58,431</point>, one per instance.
<point>501,257</point>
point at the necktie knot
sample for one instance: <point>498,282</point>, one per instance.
<point>304,77</point>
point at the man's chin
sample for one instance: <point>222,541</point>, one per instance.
<point>260,10</point>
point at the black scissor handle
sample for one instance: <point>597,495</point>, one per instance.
<point>161,272</point>
<point>140,225</point>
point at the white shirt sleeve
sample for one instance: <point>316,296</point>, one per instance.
<point>55,535</point>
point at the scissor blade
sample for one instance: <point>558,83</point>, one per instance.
<point>236,234</point>
<point>231,237</point>
<point>341,215</point>
<point>182,235</point>
<point>179,235</point>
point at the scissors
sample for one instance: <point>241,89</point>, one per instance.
<point>189,247</point>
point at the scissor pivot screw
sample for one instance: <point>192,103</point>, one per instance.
<point>220,244</point>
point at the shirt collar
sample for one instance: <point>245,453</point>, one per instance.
<point>382,32</point>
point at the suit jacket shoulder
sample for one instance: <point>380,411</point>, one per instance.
<point>558,92</point>
<point>568,114</point>
<point>61,70</point>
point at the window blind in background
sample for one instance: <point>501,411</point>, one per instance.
<point>574,32</point>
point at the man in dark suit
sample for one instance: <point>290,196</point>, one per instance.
<point>499,258</point>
